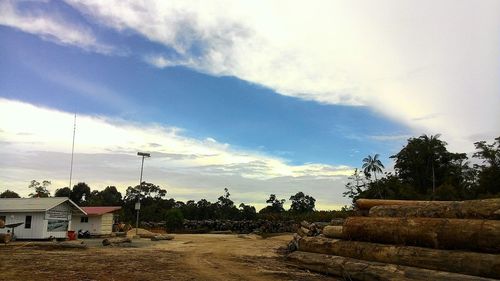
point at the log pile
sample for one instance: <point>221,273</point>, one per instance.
<point>242,226</point>
<point>408,240</point>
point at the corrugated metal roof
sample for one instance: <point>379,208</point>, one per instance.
<point>100,210</point>
<point>15,205</point>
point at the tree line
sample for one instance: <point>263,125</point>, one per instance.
<point>425,170</point>
<point>155,206</point>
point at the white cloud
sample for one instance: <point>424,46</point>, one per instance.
<point>52,28</point>
<point>37,145</point>
<point>406,59</point>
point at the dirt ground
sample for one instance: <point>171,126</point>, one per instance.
<point>187,257</point>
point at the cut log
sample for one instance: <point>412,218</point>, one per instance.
<point>57,245</point>
<point>115,241</point>
<point>472,209</point>
<point>305,224</point>
<point>478,235</point>
<point>5,238</point>
<point>332,231</point>
<point>354,269</point>
<point>478,264</point>
<point>365,204</point>
<point>162,237</point>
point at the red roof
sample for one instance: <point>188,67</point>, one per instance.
<point>100,210</point>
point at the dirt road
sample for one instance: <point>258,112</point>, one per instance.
<point>187,257</point>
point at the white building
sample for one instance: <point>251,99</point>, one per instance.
<point>41,218</point>
<point>97,221</point>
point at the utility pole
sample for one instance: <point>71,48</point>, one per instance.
<point>72,153</point>
<point>138,204</point>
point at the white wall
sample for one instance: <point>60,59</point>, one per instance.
<point>93,225</point>
<point>38,225</point>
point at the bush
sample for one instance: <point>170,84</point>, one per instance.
<point>174,219</point>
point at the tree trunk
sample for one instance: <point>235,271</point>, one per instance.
<point>478,235</point>
<point>354,269</point>
<point>365,204</point>
<point>162,237</point>
<point>332,231</point>
<point>472,209</point>
<point>115,241</point>
<point>478,264</point>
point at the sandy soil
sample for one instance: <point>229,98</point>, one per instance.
<point>187,257</point>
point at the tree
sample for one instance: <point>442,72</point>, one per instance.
<point>275,207</point>
<point>63,192</point>
<point>355,185</point>
<point>80,193</point>
<point>174,219</point>
<point>302,203</point>
<point>489,170</point>
<point>40,190</point>
<point>9,194</point>
<point>226,208</point>
<point>153,205</point>
<point>247,212</point>
<point>110,196</point>
<point>372,164</point>
<point>425,163</point>
<point>143,191</point>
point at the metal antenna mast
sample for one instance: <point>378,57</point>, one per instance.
<point>72,153</point>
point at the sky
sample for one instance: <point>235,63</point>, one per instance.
<point>260,97</point>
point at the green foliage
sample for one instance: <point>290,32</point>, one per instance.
<point>63,192</point>
<point>40,189</point>
<point>9,194</point>
<point>302,203</point>
<point>174,219</point>
<point>426,170</point>
<point>372,165</point>
<point>489,170</point>
<point>110,196</point>
<point>247,212</point>
<point>144,191</point>
<point>276,206</point>
<point>80,193</point>
<point>356,185</point>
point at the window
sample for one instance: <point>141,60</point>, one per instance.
<point>27,222</point>
<point>3,220</point>
<point>84,219</point>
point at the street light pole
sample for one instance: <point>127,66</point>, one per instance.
<point>138,204</point>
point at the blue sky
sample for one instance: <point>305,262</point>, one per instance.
<point>241,82</point>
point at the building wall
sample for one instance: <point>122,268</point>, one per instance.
<point>93,225</point>
<point>38,225</point>
<point>107,223</point>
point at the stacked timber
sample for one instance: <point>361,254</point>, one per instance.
<point>239,226</point>
<point>409,240</point>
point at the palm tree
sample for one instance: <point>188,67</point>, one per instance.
<point>372,164</point>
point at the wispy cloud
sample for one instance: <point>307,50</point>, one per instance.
<point>403,64</point>
<point>52,28</point>
<point>106,154</point>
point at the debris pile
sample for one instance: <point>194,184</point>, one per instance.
<point>407,240</point>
